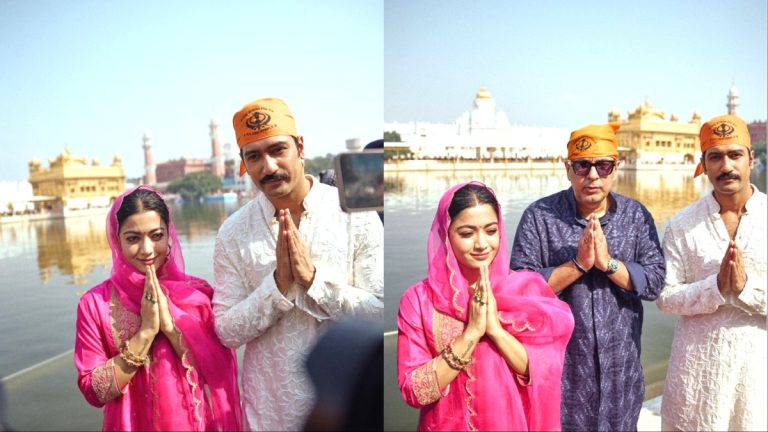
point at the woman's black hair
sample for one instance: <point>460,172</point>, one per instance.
<point>471,195</point>
<point>139,201</point>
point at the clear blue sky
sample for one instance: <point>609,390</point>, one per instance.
<point>96,74</point>
<point>567,63</point>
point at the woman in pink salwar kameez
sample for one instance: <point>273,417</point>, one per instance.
<point>145,346</point>
<point>480,347</point>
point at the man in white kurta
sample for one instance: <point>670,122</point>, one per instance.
<point>278,322</point>
<point>715,252</point>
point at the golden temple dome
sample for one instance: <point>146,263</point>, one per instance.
<point>483,93</point>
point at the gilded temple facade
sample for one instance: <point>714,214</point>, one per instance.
<point>647,136</point>
<point>70,183</point>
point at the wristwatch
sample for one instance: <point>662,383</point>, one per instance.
<point>613,267</point>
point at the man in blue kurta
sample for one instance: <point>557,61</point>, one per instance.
<point>599,251</point>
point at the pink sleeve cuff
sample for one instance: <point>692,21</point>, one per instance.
<point>424,383</point>
<point>104,382</point>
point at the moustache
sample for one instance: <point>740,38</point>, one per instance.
<point>273,177</point>
<point>728,176</point>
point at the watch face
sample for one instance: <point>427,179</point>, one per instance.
<point>613,265</point>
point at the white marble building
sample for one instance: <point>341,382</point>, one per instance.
<point>481,132</point>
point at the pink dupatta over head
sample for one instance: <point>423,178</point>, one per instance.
<point>209,368</point>
<point>528,309</point>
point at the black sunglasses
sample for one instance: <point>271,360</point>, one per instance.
<point>582,167</point>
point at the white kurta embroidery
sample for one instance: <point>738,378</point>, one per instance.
<point>717,369</point>
<point>279,331</point>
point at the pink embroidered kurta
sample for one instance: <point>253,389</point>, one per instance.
<point>487,394</point>
<point>197,391</point>
<point>103,325</point>
<point>492,399</point>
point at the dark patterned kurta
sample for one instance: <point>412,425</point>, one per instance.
<point>603,385</point>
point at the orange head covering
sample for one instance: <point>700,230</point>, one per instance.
<point>594,141</point>
<point>261,119</point>
<point>724,129</point>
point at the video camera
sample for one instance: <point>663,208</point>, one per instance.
<point>360,180</point>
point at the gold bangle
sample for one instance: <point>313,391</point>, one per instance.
<point>130,357</point>
<point>462,360</point>
<point>454,361</point>
<point>129,361</point>
<point>449,359</point>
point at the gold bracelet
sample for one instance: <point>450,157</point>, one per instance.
<point>462,360</point>
<point>129,361</point>
<point>455,362</point>
<point>130,357</point>
<point>449,359</point>
<point>135,357</point>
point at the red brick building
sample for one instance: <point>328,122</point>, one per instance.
<point>174,168</point>
<point>757,131</point>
